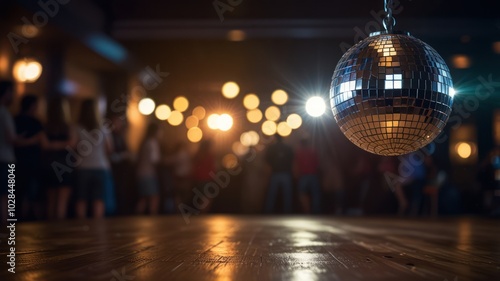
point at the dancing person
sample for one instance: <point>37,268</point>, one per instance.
<point>28,155</point>
<point>279,156</point>
<point>307,164</point>
<point>183,168</point>
<point>93,174</point>
<point>58,137</point>
<point>121,165</point>
<point>333,183</point>
<point>147,177</point>
<point>414,180</point>
<point>204,164</point>
<point>388,167</point>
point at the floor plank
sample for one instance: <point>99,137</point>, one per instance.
<point>257,248</point>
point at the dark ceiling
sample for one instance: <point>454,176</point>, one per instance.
<point>296,9</point>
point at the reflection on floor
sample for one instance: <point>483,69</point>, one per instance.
<point>257,248</point>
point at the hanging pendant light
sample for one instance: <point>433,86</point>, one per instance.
<point>391,93</point>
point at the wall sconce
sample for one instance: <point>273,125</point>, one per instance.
<point>465,150</point>
<point>27,70</point>
<point>463,145</point>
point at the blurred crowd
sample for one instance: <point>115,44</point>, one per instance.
<point>87,170</point>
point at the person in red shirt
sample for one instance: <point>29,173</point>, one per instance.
<point>307,165</point>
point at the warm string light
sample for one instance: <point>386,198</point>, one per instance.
<point>146,106</point>
<point>251,101</point>
<point>279,97</point>
<point>192,121</point>
<point>175,118</point>
<point>194,134</point>
<point>199,112</point>
<point>230,90</point>
<point>181,104</point>
<point>224,122</point>
<point>162,112</point>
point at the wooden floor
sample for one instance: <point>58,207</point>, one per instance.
<point>257,248</point>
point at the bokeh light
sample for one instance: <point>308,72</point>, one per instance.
<point>27,70</point>
<point>251,101</point>
<point>224,122</point>
<point>460,61</point>
<point>254,136</point>
<point>230,161</point>
<point>194,134</point>
<point>269,128</point>
<point>236,35</point>
<point>464,150</point>
<point>315,106</point>
<point>452,92</point>
<point>254,115</point>
<point>239,148</point>
<point>175,118</point>
<point>273,113</point>
<point>30,30</point>
<point>496,47</point>
<point>279,97</point>
<point>192,121</point>
<point>199,112</point>
<point>250,138</point>
<point>163,111</point>
<point>284,129</point>
<point>146,106</point>
<point>212,121</point>
<point>294,121</point>
<point>181,104</point>
<point>245,139</point>
<point>230,90</point>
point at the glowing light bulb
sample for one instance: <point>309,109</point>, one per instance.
<point>464,150</point>
<point>230,90</point>
<point>194,134</point>
<point>212,121</point>
<point>269,128</point>
<point>162,112</point>
<point>192,121</point>
<point>254,115</point>
<point>146,106</point>
<point>224,122</point>
<point>175,118</point>
<point>27,70</point>
<point>294,121</point>
<point>181,104</point>
<point>279,97</point>
<point>283,129</point>
<point>199,112</point>
<point>251,101</point>
<point>273,113</point>
<point>315,106</point>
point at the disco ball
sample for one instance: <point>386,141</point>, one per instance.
<point>391,93</point>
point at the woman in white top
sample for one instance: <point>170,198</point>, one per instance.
<point>149,156</point>
<point>93,174</point>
